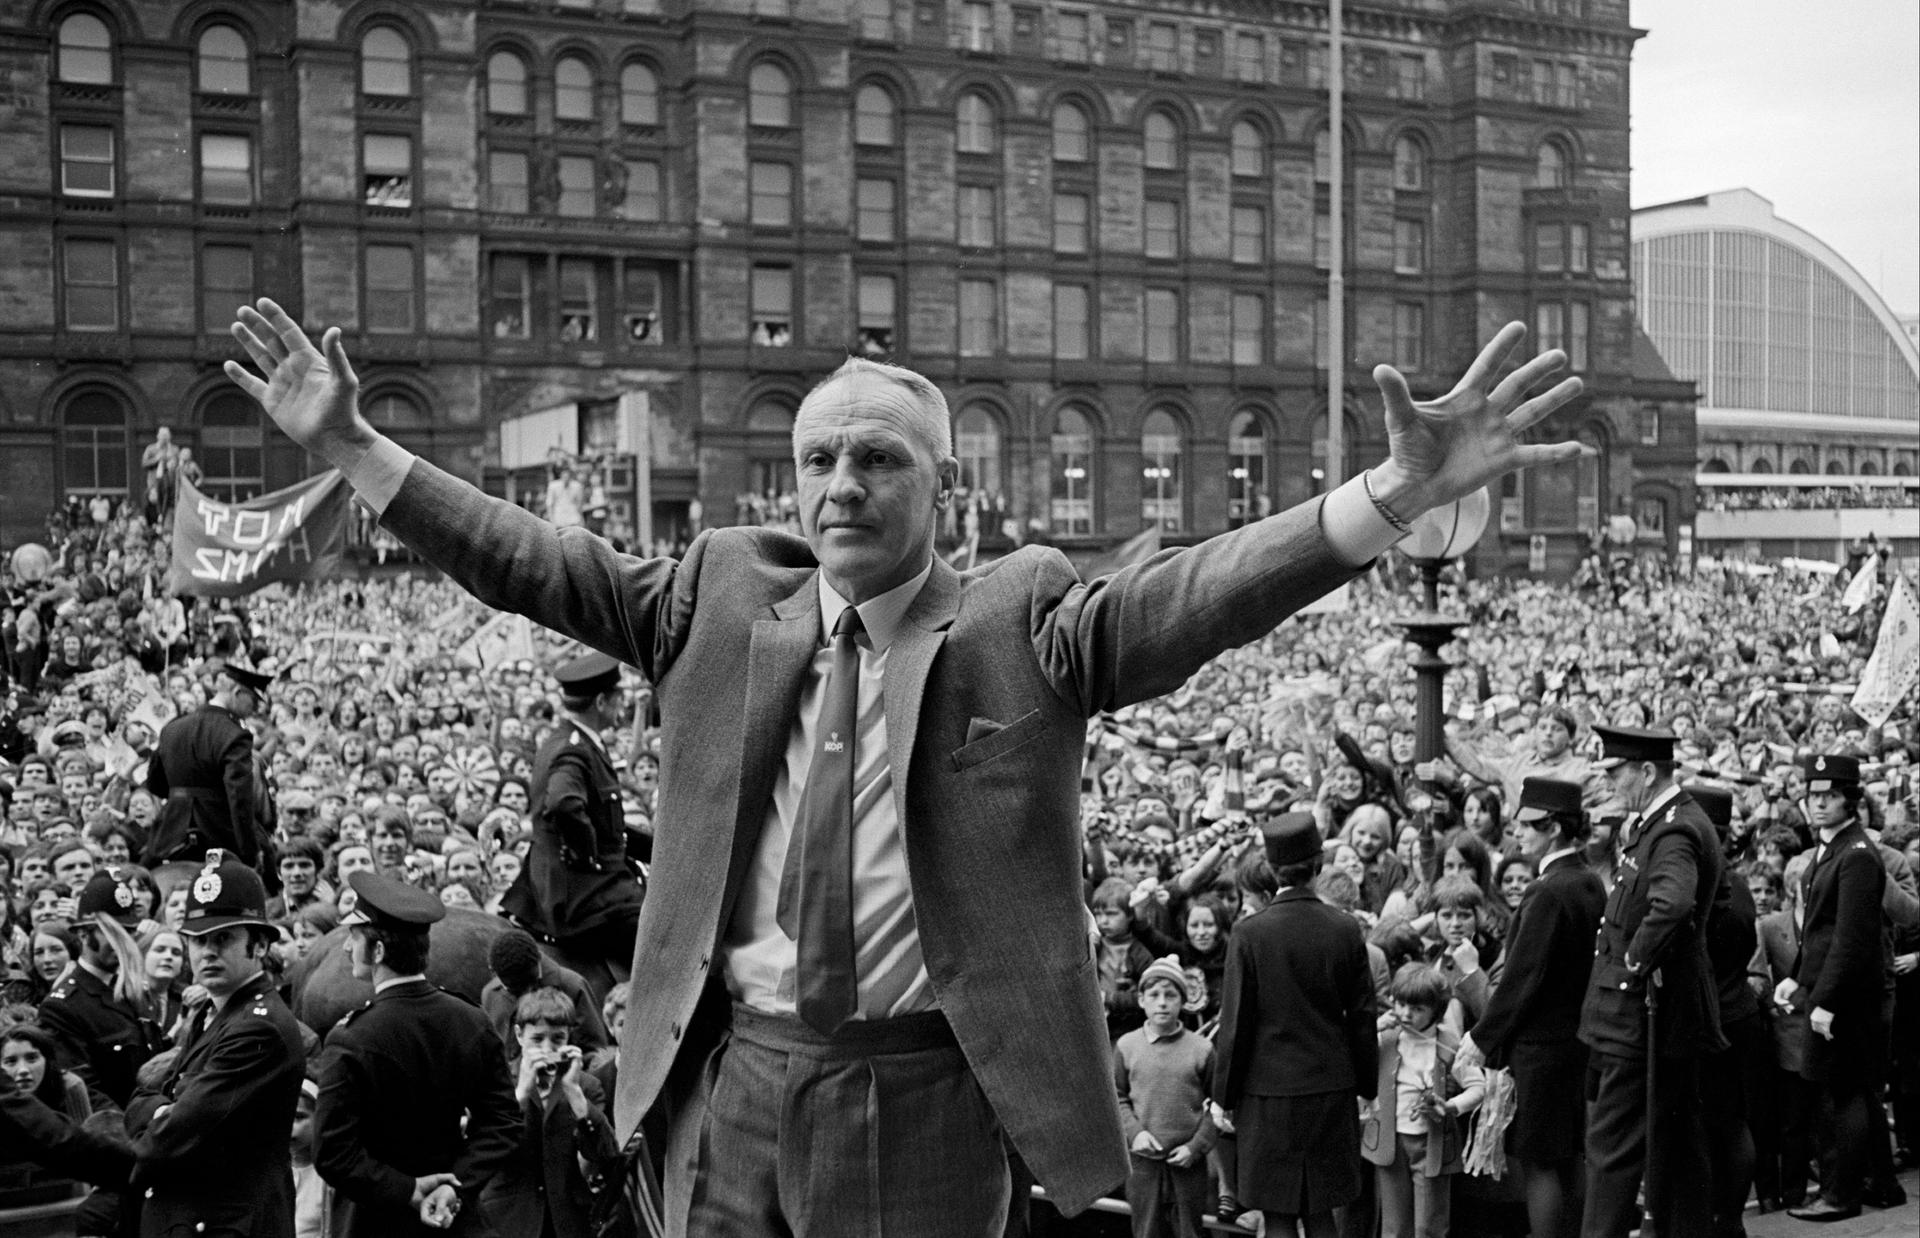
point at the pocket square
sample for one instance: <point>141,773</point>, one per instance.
<point>980,728</point>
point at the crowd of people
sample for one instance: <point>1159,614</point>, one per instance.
<point>1893,494</point>
<point>382,751</point>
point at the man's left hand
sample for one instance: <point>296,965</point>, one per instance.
<point>1440,450</point>
<point>1821,1021</point>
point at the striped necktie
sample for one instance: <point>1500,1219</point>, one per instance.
<point>815,907</point>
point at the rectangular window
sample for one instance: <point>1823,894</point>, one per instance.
<point>1071,37</point>
<point>1163,47</point>
<point>1249,57</point>
<point>390,288</point>
<point>771,205</point>
<point>1543,81</point>
<point>1070,215</point>
<point>644,200</point>
<point>386,162</point>
<point>90,271</point>
<point>1578,242</point>
<point>1410,335</point>
<point>1577,329</point>
<point>1549,326</point>
<point>976,26</point>
<point>641,304</point>
<point>876,310</point>
<point>876,210</point>
<point>577,189</point>
<point>1163,324</point>
<point>1249,328</point>
<point>876,19</point>
<point>579,301</point>
<point>772,294</point>
<point>1249,235</point>
<point>979,318</point>
<point>1163,228</point>
<point>510,297</point>
<point>1409,246</point>
<point>507,181</point>
<point>1549,248</point>
<point>977,216</point>
<point>226,169</point>
<point>1649,426</point>
<point>226,282</point>
<point>1566,84</point>
<point>1410,78</point>
<point>1072,337</point>
<point>86,161</point>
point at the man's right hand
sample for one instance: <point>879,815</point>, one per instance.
<point>426,1186</point>
<point>1144,1144</point>
<point>311,393</point>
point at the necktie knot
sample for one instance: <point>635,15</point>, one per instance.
<point>848,624</point>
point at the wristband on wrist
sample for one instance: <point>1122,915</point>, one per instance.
<point>1386,513</point>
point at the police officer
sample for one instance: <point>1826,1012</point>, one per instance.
<point>398,1077</point>
<point>577,888</point>
<point>96,1011</point>
<point>1651,1004</point>
<point>1728,1078</point>
<point>211,1137</point>
<point>1841,979</point>
<point>202,770</point>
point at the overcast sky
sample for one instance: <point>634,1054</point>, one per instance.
<point>1813,106</point>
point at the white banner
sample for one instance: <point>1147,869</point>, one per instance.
<point>1894,667</point>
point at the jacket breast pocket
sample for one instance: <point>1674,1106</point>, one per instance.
<point>1001,742</point>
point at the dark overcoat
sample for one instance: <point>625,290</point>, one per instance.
<point>1845,958</point>
<point>202,770</point>
<point>577,875</point>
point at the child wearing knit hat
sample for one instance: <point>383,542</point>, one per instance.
<point>1161,1072</point>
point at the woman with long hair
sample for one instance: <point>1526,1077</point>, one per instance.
<point>164,953</point>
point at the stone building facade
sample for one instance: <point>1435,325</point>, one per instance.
<point>1102,228</point>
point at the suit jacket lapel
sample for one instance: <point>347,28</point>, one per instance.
<point>909,659</point>
<point>781,649</point>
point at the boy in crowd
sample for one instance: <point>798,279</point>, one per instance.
<point>1161,1072</point>
<point>1413,1136</point>
<point>1121,958</point>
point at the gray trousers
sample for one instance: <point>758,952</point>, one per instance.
<point>880,1130</point>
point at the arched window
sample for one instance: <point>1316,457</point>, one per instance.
<point>93,444</point>
<point>1869,467</point>
<point>386,63</point>
<point>1835,468</point>
<point>1551,167</point>
<point>874,121</point>
<point>1800,465</point>
<point>769,97</point>
<point>85,53</point>
<point>976,441</point>
<point>506,84</point>
<point>232,449</point>
<point>1247,499</point>
<point>223,65</point>
<point>1409,163</point>
<point>1715,465</point>
<point>1162,141</point>
<point>770,455</point>
<point>1072,134</point>
<point>639,95</point>
<point>1764,465</point>
<point>1161,448</point>
<point>974,118</point>
<point>395,410</point>
<point>572,89</point>
<point>1071,463</point>
<point>1249,149</point>
<point>1902,469</point>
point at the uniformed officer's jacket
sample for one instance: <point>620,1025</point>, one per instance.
<point>202,770</point>
<point>218,1160</point>
<point>576,876</point>
<point>1844,957</point>
<point>413,1083</point>
<point>1669,872</point>
<point>102,1039</point>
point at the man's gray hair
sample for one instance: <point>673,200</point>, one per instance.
<point>935,424</point>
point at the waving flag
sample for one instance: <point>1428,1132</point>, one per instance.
<point>1894,668</point>
<point>229,549</point>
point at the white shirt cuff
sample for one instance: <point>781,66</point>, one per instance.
<point>1355,531</point>
<point>381,470</point>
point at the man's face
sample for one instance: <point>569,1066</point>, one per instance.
<point>1632,783</point>
<point>464,864</point>
<point>223,960</point>
<point>869,485</point>
<point>440,782</point>
<point>1764,902</point>
<point>323,765</point>
<point>73,869</point>
<point>354,860</point>
<point>34,774</point>
<point>1149,805</point>
<point>389,845</point>
<point>504,867</point>
<point>1825,809</point>
<point>46,807</point>
<point>297,875</point>
<point>1550,737</point>
<point>73,786</point>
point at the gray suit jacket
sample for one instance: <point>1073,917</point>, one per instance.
<point>992,826</point>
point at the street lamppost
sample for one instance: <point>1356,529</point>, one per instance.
<point>1445,533</point>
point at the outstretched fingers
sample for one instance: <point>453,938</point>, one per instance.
<point>1535,454</point>
<point>1539,406</point>
<point>1514,387</point>
<point>1481,372</point>
<point>246,380</point>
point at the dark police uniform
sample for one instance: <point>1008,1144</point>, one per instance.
<point>1532,1021</point>
<point>212,1137</point>
<point>102,1038</point>
<point>1844,965</point>
<point>202,770</point>
<point>1651,935</point>
<point>397,1078</point>
<point>577,887</point>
